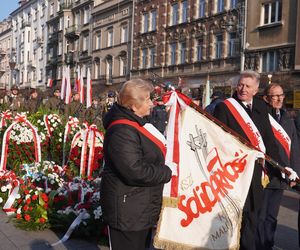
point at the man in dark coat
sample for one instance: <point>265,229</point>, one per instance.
<point>34,101</point>
<point>274,96</point>
<point>246,90</point>
<point>216,98</point>
<point>93,114</point>
<point>55,102</point>
<point>75,108</point>
<point>159,116</point>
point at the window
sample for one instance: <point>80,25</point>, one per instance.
<point>86,16</point>
<point>270,61</point>
<point>60,48</point>
<point>51,10</point>
<point>218,48</point>
<point>184,11</point>
<point>182,52</point>
<point>144,58</point>
<point>174,14</point>
<point>85,43</point>
<point>41,53</point>
<point>233,4</point>
<point>28,36</point>
<point>153,20</point>
<point>173,48</point>
<point>124,34</point>
<point>35,14</point>
<point>201,8</point>
<point>220,6</point>
<point>272,12</point>
<point>22,56</point>
<point>233,44</point>
<point>110,37</point>
<point>199,50</point>
<point>77,18</point>
<point>152,57</point>
<point>98,41</point>
<point>145,22</point>
<point>41,75</point>
<point>122,67</point>
<point>58,6</point>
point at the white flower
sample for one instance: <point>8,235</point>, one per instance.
<point>98,213</point>
<point>1,200</point>
<point>18,196</point>
<point>19,210</point>
<point>42,123</point>
<point>3,189</point>
<point>60,140</point>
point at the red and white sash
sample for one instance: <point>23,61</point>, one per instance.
<point>147,130</point>
<point>246,123</point>
<point>281,136</point>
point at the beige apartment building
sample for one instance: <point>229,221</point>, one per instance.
<point>273,46</point>
<point>111,45</point>
<point>5,57</point>
<point>191,40</point>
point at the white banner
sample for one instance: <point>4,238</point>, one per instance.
<point>215,172</point>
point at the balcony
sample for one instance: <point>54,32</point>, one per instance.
<point>40,40</point>
<point>70,58</point>
<point>72,32</point>
<point>65,6</point>
<point>25,24</point>
<point>53,38</point>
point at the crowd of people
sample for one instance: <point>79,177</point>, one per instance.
<point>135,169</point>
<point>15,101</point>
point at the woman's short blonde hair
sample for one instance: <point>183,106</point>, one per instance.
<point>133,92</point>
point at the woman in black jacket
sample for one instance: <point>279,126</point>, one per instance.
<point>135,170</point>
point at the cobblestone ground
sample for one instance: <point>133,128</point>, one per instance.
<point>12,238</point>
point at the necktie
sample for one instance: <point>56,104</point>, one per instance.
<point>249,108</point>
<point>278,117</point>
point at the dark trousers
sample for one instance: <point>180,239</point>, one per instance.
<point>268,218</point>
<point>251,212</point>
<point>129,240</point>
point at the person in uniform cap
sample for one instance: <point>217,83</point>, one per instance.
<point>216,97</point>
<point>33,102</point>
<point>55,102</point>
<point>110,100</point>
<point>93,114</point>
<point>15,100</point>
<point>75,108</point>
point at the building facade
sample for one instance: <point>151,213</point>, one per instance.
<point>192,40</point>
<point>5,47</point>
<point>29,35</point>
<point>272,44</point>
<point>111,41</point>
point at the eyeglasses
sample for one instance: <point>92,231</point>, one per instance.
<point>274,97</point>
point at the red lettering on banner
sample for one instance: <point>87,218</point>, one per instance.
<point>210,192</point>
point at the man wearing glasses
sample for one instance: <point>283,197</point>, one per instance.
<point>274,96</point>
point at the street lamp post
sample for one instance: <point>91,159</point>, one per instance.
<point>270,78</point>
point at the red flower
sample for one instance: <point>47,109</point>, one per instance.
<point>34,197</point>
<point>19,216</point>
<point>30,208</point>
<point>42,220</point>
<point>46,206</point>
<point>44,197</point>
<point>27,217</point>
<point>26,191</point>
<point>25,208</point>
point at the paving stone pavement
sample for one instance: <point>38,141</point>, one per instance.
<point>12,238</point>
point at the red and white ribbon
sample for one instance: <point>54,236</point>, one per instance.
<point>20,118</point>
<point>6,115</point>
<point>281,136</point>
<point>176,102</point>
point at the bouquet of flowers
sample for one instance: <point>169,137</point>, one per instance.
<point>86,152</point>
<point>74,198</point>
<point>31,213</point>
